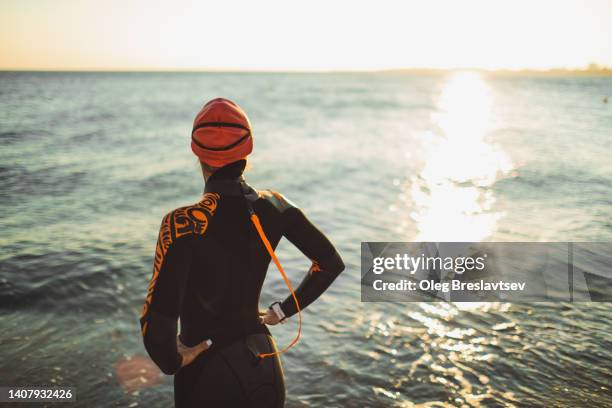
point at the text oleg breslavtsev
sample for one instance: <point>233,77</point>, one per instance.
<point>452,285</point>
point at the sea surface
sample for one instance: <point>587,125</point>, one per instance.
<point>91,162</point>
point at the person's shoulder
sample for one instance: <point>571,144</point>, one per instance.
<point>191,219</point>
<point>277,200</point>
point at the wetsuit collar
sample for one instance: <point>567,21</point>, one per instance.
<point>225,186</point>
<point>228,181</point>
<point>232,187</point>
<point>230,171</point>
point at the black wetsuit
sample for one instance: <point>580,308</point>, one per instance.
<point>209,268</point>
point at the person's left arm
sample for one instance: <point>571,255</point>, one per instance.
<point>164,298</point>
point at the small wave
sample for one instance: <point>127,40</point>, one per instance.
<point>7,138</point>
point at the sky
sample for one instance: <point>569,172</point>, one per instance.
<point>319,35</point>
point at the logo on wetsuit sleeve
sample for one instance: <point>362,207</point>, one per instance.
<point>193,220</point>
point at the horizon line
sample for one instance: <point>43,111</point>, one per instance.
<point>589,69</point>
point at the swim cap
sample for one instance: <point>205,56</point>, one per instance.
<point>221,133</point>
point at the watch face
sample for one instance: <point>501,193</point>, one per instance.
<point>279,312</point>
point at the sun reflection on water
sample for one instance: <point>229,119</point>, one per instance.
<point>453,200</point>
<point>452,194</point>
<point>449,353</point>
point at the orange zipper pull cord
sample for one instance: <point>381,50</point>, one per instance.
<point>264,239</point>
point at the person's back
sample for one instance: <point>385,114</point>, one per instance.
<point>209,268</point>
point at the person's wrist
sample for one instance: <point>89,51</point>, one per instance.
<point>288,307</point>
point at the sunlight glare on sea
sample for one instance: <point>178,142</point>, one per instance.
<point>452,193</point>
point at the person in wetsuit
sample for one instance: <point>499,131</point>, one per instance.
<point>210,264</point>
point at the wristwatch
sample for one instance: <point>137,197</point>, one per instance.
<point>276,308</point>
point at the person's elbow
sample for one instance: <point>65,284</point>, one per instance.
<point>340,266</point>
<point>169,370</point>
<point>167,363</point>
<point>334,265</point>
<point>159,340</point>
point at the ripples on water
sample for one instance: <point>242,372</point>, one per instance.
<point>91,162</point>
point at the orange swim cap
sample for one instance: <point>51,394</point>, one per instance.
<point>221,133</point>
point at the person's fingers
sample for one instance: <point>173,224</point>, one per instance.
<point>190,353</point>
<point>269,320</point>
<point>204,345</point>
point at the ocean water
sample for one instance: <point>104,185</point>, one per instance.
<point>90,162</point>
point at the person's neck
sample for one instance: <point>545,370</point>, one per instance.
<point>231,171</point>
